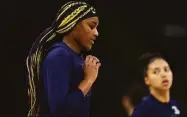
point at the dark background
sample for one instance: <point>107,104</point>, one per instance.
<point>127,29</point>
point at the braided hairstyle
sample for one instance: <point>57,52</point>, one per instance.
<point>66,19</point>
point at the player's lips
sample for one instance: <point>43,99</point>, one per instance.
<point>92,40</point>
<point>165,82</point>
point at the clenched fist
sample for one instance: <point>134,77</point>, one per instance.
<point>91,68</point>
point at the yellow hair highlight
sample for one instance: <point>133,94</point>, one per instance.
<point>72,15</point>
<point>35,58</point>
<point>69,26</point>
<point>67,7</point>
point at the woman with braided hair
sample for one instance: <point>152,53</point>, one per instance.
<point>58,76</point>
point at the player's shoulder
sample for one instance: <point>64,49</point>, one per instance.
<point>143,107</point>
<point>146,101</point>
<point>58,49</point>
<point>175,106</point>
<point>172,101</point>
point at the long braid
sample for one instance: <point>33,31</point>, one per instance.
<point>33,66</point>
<point>66,19</point>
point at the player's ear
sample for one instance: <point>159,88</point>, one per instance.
<point>146,80</point>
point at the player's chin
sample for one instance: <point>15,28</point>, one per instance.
<point>88,47</point>
<point>165,88</point>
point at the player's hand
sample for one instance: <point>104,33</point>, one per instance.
<point>91,68</point>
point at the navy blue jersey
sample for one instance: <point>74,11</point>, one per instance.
<point>151,107</point>
<point>61,73</point>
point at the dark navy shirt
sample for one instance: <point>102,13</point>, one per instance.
<point>151,107</point>
<point>62,72</point>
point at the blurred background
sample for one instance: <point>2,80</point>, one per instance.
<point>127,30</point>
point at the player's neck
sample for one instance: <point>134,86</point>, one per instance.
<point>162,96</point>
<point>70,41</point>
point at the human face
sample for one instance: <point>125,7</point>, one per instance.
<point>159,75</point>
<point>85,33</point>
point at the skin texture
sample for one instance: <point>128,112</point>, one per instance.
<point>81,39</point>
<point>159,79</point>
<point>83,35</point>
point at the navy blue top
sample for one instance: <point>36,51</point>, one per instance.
<point>62,72</point>
<point>151,107</point>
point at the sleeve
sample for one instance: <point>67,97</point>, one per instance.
<point>139,112</point>
<point>57,75</point>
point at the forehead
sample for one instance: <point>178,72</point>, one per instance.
<point>92,19</point>
<point>158,63</point>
